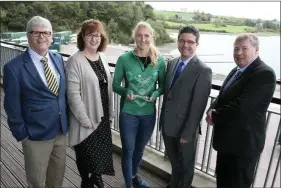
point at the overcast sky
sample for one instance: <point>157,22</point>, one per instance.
<point>253,10</point>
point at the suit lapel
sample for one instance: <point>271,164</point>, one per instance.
<point>171,72</point>
<point>188,69</point>
<point>58,67</point>
<point>227,78</point>
<point>243,75</point>
<point>29,65</point>
<point>56,63</point>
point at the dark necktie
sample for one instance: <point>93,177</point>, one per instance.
<point>50,77</point>
<point>177,74</point>
<point>232,79</point>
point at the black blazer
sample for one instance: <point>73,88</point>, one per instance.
<point>239,120</point>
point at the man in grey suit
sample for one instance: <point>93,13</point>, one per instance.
<point>187,88</point>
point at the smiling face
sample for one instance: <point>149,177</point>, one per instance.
<point>187,45</point>
<point>244,52</point>
<point>39,39</point>
<point>143,38</point>
<point>92,41</point>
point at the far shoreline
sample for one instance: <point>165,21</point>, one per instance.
<point>219,33</point>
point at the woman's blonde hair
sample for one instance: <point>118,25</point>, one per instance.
<point>153,51</point>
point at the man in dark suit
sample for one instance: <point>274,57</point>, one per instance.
<point>187,88</point>
<point>35,103</point>
<point>239,114</point>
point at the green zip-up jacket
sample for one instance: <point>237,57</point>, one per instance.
<point>139,81</point>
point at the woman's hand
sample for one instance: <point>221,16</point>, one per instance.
<point>131,97</point>
<point>150,99</point>
<point>90,126</point>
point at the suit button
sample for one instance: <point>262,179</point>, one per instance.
<point>169,98</point>
<point>59,113</point>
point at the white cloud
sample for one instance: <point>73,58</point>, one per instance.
<point>253,10</point>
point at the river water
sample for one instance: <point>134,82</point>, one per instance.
<point>219,47</point>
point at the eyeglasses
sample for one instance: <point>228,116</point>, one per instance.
<point>237,50</point>
<point>189,42</point>
<point>38,33</point>
<point>90,36</point>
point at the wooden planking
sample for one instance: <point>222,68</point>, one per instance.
<point>71,172</point>
<point>7,179</point>
<point>14,149</point>
<point>153,180</point>
<point>15,169</point>
<point>72,178</point>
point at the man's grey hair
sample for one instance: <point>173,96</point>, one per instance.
<point>38,21</point>
<point>253,39</point>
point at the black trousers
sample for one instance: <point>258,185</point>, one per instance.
<point>182,158</point>
<point>235,171</point>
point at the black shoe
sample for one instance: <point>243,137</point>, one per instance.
<point>85,184</point>
<point>139,183</point>
<point>96,180</point>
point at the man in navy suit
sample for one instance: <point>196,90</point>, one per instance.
<point>35,103</point>
<point>239,115</point>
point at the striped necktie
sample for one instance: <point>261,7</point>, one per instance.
<point>50,77</point>
<point>232,79</point>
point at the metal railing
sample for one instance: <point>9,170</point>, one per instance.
<point>267,172</point>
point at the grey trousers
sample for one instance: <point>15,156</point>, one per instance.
<point>45,162</point>
<point>182,159</point>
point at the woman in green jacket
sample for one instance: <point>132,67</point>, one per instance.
<point>141,68</point>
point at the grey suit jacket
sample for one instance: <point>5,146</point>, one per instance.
<point>184,104</point>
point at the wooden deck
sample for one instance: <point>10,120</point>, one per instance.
<point>12,163</point>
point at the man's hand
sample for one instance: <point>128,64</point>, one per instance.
<point>25,139</point>
<point>131,97</point>
<point>183,141</point>
<point>209,119</point>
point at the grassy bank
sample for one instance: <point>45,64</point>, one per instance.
<point>185,17</point>
<point>228,28</point>
<point>170,14</point>
<point>258,34</point>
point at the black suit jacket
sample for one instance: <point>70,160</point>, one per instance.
<point>239,119</point>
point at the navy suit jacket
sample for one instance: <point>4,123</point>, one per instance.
<point>240,117</point>
<point>33,110</point>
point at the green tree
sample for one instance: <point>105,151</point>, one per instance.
<point>250,22</point>
<point>112,29</point>
<point>259,27</point>
<point>161,36</point>
<point>218,22</point>
<point>118,17</point>
<point>148,12</point>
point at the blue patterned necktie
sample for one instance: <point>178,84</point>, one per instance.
<point>177,74</point>
<point>232,79</point>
